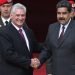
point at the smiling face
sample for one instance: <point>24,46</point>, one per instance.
<point>18,17</point>
<point>63,15</point>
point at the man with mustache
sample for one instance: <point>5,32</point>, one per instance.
<point>60,42</point>
<point>49,62</point>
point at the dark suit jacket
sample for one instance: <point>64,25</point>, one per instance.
<point>49,66</point>
<point>15,54</point>
<point>1,23</point>
<point>63,52</point>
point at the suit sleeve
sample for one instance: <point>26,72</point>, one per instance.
<point>49,66</point>
<point>46,53</point>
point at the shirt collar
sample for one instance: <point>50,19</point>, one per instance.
<point>16,27</point>
<point>67,23</point>
<point>3,19</point>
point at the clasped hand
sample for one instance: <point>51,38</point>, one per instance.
<point>35,62</point>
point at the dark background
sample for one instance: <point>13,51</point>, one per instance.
<point>40,13</point>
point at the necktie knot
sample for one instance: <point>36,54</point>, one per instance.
<point>6,22</point>
<point>21,33</point>
<point>20,30</point>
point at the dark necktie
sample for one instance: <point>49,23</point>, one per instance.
<point>21,33</point>
<point>62,33</point>
<point>6,22</point>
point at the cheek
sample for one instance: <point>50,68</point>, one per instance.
<point>24,18</point>
<point>58,16</point>
<point>9,9</point>
<point>67,17</point>
<point>1,10</point>
<point>14,19</point>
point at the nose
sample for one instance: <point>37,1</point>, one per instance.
<point>6,8</point>
<point>61,15</point>
<point>20,17</point>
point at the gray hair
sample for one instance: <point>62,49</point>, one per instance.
<point>18,6</point>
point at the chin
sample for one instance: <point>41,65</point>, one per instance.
<point>62,23</point>
<point>20,25</point>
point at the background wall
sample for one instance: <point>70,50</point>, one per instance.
<point>40,13</point>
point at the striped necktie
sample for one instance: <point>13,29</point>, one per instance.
<point>62,33</point>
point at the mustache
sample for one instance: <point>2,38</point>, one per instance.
<point>61,18</point>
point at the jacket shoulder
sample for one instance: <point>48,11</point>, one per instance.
<point>53,25</point>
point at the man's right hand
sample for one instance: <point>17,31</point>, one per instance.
<point>35,63</point>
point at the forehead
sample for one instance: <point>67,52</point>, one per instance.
<point>19,11</point>
<point>62,9</point>
<point>6,4</point>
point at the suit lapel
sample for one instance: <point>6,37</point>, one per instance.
<point>28,35</point>
<point>55,34</point>
<point>1,22</point>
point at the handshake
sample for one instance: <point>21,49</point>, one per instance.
<point>35,63</point>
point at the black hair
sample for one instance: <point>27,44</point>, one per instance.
<point>64,3</point>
